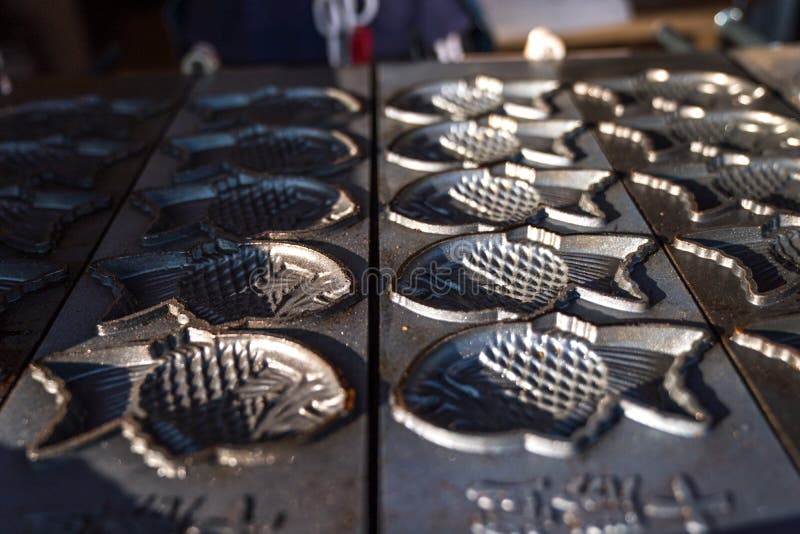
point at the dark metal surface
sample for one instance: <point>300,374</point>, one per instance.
<point>558,330</point>
<point>600,487</point>
<point>734,277</point>
<point>244,206</point>
<point>310,482</point>
<point>56,223</point>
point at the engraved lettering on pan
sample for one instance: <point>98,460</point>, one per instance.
<point>765,259</point>
<point>261,149</point>
<point>628,94</point>
<point>17,278</point>
<point>244,206</point>
<point>309,106</point>
<point>473,97</point>
<point>518,274</point>
<point>487,199</point>
<point>229,283</point>
<point>695,511</point>
<point>56,159</point>
<point>550,386</point>
<point>777,338</point>
<point>710,134</point>
<point>33,220</point>
<point>469,144</point>
<point>188,394</point>
<point>587,503</point>
<point>591,503</point>
<point>86,115</point>
<point>763,186</point>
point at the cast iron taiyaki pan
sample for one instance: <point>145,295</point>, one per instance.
<point>263,149</point>
<point>472,97</point>
<point>246,282</point>
<point>466,144</point>
<point>490,198</point>
<point>247,389</point>
<point>89,115</point>
<point>244,206</point>
<point>280,106</point>
<point>688,131</point>
<point>535,329</point>
<point>626,95</point>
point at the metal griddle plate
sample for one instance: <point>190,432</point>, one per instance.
<point>59,193</point>
<point>473,421</point>
<point>309,472</point>
<point>731,232</point>
<point>601,402</point>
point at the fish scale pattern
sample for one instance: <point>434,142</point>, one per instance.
<point>555,373</point>
<point>480,144</point>
<point>207,396</point>
<point>250,210</point>
<point>497,199</point>
<point>461,100</point>
<point>528,273</point>
<point>286,152</point>
<point>756,181</point>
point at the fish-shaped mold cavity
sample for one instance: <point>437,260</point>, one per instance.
<point>33,220</point>
<point>469,98</point>
<point>521,273</point>
<point>18,278</point>
<point>708,89</point>
<point>709,134</point>
<point>263,149</point>
<point>224,282</point>
<point>762,185</point>
<point>183,392</point>
<point>491,198</point>
<point>56,159</point>
<point>280,106</point>
<point>86,115</point>
<point>469,144</point>
<point>550,386</point>
<point>777,338</point>
<point>765,258</point>
<point>244,206</point>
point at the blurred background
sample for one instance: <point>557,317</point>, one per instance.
<point>73,37</point>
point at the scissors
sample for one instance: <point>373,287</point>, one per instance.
<point>337,19</point>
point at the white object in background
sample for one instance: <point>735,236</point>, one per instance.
<point>449,49</point>
<point>336,20</point>
<point>202,58</point>
<point>509,21</point>
<point>542,44</point>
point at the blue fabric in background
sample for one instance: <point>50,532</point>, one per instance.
<point>262,31</point>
